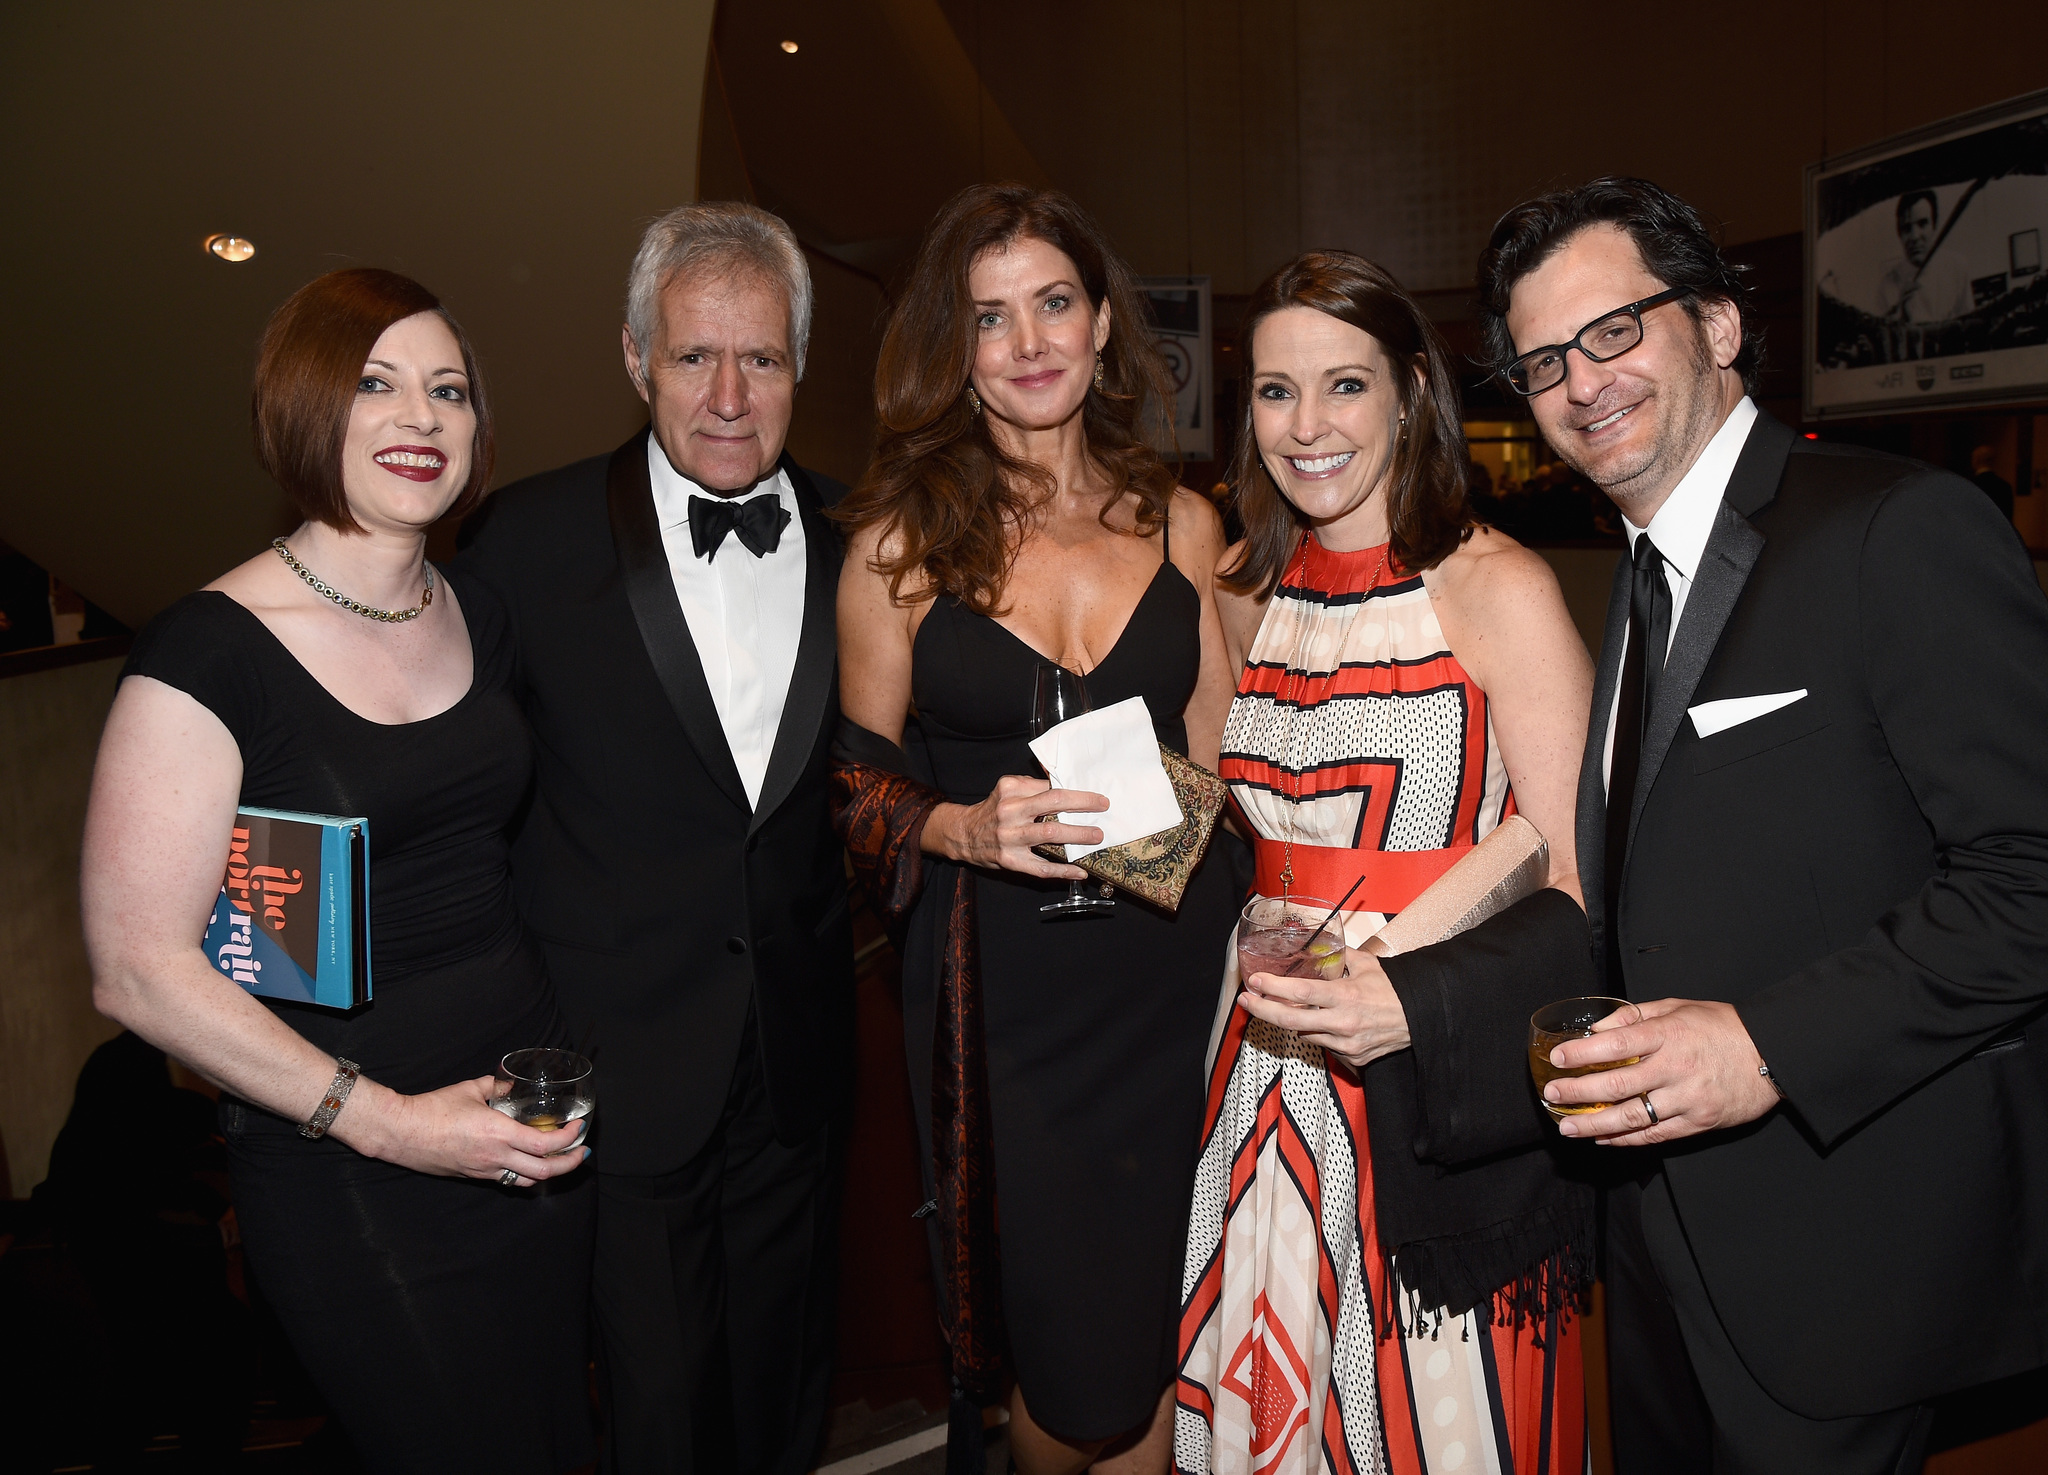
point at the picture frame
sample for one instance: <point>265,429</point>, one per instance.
<point>1182,330</point>
<point>1925,284</point>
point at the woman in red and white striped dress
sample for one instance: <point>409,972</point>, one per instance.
<point>1386,1249</point>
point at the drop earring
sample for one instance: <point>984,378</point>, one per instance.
<point>973,401</point>
<point>1098,373</point>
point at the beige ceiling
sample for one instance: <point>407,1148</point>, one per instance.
<point>860,135</point>
<point>1223,136</point>
<point>506,154</point>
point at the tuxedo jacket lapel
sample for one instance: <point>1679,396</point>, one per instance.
<point>651,591</point>
<point>1731,552</point>
<point>817,651</point>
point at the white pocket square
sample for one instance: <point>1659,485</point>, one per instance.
<point>1709,718</point>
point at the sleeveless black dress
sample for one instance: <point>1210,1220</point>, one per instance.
<point>444,1320</point>
<point>1096,1029</point>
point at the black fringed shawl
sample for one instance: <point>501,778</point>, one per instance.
<point>1478,1199</point>
<point>879,810</point>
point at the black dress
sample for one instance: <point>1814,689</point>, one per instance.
<point>1096,1030</point>
<point>443,1319</point>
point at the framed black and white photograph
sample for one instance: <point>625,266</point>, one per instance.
<point>1924,279</point>
<point>1181,331</point>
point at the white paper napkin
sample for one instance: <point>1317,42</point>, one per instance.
<point>1112,752</point>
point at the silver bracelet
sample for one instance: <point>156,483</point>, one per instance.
<point>345,1073</point>
<point>1765,1071</point>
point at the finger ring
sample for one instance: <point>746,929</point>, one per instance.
<point>1649,1108</point>
<point>511,1175</point>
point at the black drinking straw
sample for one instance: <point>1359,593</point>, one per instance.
<point>1340,905</point>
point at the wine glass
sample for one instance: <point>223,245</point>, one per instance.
<point>547,1089</point>
<point>1572,1019</point>
<point>1061,694</point>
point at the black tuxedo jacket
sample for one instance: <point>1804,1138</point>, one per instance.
<point>1864,874</point>
<point>663,903</point>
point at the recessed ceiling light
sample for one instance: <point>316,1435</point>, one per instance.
<point>790,47</point>
<point>230,248</point>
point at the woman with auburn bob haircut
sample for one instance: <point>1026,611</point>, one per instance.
<point>1384,1259</point>
<point>1013,517</point>
<point>438,1300</point>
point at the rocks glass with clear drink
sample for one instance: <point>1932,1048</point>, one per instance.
<point>548,1089</point>
<point>1285,935</point>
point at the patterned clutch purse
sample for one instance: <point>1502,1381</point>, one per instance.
<point>1156,868</point>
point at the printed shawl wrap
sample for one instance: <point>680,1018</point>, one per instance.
<point>880,809</point>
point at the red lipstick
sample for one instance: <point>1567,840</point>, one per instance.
<point>414,463</point>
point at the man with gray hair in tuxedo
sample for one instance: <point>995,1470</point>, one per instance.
<point>672,601</point>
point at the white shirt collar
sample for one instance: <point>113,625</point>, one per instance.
<point>1683,524</point>
<point>673,490</point>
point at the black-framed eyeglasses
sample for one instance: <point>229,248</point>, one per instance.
<point>1607,337</point>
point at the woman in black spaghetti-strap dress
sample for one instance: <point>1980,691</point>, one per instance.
<point>434,1287</point>
<point>1096,1027</point>
<point>1014,516</point>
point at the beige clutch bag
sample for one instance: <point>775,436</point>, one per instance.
<point>1156,868</point>
<point>1511,863</point>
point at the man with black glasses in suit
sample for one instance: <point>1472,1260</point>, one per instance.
<point>673,607</point>
<point>1813,830</point>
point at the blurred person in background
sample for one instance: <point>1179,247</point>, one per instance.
<point>1984,472</point>
<point>133,1330</point>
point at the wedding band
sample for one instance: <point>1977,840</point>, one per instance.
<point>1649,1108</point>
<point>511,1175</point>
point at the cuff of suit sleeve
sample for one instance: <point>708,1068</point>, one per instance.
<point>1822,1031</point>
<point>1787,1028</point>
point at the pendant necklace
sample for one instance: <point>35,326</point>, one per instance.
<point>1297,667</point>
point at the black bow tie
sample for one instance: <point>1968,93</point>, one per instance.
<point>759,521</point>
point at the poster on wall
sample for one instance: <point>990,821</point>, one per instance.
<point>1924,278</point>
<point>1180,328</point>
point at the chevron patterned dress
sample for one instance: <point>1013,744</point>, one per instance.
<point>1356,743</point>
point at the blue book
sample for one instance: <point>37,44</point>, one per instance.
<point>293,918</point>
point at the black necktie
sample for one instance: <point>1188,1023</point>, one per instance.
<point>759,521</point>
<point>1649,634</point>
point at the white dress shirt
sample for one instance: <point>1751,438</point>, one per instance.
<point>746,614</point>
<point>1680,530</point>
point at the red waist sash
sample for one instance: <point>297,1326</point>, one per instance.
<point>1393,878</point>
